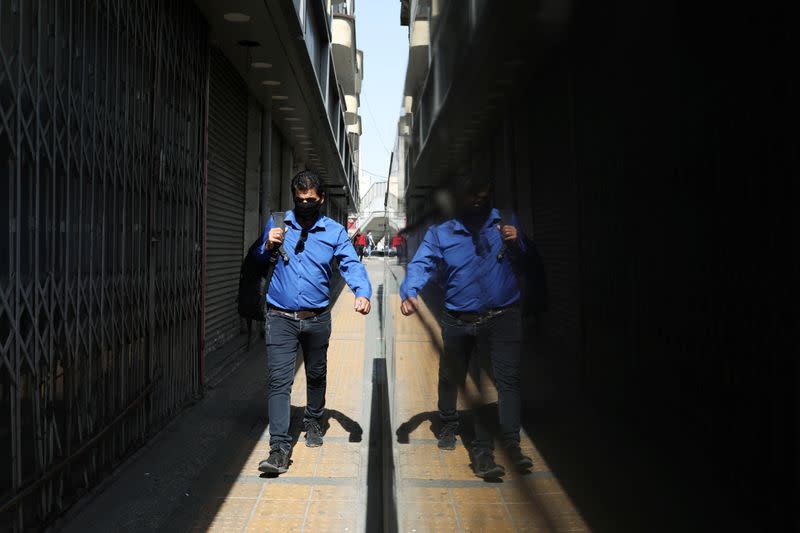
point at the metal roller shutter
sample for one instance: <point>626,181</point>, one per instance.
<point>227,145</point>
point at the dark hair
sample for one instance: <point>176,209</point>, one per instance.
<point>305,180</point>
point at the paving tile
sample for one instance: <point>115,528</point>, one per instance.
<point>276,526</point>
<point>286,491</point>
<point>237,489</point>
<point>484,516</point>
<point>332,515</point>
<point>479,495</point>
<point>425,494</point>
<point>426,516</point>
<point>337,470</point>
<point>520,492</point>
<point>334,492</point>
<point>278,509</point>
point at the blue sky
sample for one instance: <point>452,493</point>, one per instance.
<point>385,45</point>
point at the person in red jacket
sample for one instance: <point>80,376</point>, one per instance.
<point>399,245</point>
<point>361,244</point>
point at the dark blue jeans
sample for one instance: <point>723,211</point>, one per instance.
<point>499,337</point>
<point>283,336</point>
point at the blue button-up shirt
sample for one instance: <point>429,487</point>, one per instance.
<point>475,279</point>
<point>304,282</point>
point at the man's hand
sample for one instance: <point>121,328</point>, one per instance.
<point>409,306</point>
<point>508,232</point>
<point>362,305</point>
<point>275,238</point>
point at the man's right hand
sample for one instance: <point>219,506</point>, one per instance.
<point>275,238</point>
<point>409,306</point>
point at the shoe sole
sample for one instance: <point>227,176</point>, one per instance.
<point>269,469</point>
<point>492,473</point>
<point>447,445</point>
<point>313,444</point>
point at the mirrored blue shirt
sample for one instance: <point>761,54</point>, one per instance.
<point>474,278</point>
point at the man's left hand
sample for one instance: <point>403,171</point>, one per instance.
<point>362,305</point>
<point>508,232</point>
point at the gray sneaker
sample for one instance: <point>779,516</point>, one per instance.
<point>276,463</point>
<point>313,434</point>
<point>521,461</point>
<point>484,466</point>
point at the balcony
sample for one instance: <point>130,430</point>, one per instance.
<point>419,42</point>
<point>352,103</point>
<point>344,51</point>
<point>355,128</point>
<point>360,70</point>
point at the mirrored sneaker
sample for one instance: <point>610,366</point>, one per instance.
<point>485,467</point>
<point>313,434</point>
<point>447,436</point>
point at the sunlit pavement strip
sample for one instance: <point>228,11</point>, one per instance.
<point>436,489</point>
<point>325,488</point>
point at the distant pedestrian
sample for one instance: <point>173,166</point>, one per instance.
<point>361,245</point>
<point>399,245</point>
<point>370,244</point>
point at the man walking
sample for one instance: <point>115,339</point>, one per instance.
<point>298,311</point>
<point>479,253</point>
<point>361,244</point>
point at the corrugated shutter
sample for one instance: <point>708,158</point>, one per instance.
<point>227,144</point>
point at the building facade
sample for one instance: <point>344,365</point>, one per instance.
<point>144,144</point>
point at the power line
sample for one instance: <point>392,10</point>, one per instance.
<point>374,123</point>
<point>376,174</point>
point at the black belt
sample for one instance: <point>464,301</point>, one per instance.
<point>302,314</point>
<point>472,317</point>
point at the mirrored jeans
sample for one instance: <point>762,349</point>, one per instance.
<point>499,338</point>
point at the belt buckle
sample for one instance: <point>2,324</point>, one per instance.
<point>295,315</point>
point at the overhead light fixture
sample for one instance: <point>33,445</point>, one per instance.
<point>279,97</point>
<point>292,119</point>
<point>297,127</point>
<point>271,83</point>
<point>286,108</point>
<point>261,65</point>
<point>236,17</point>
<point>300,135</point>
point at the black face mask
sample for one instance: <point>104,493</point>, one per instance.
<point>309,210</point>
<point>477,212</point>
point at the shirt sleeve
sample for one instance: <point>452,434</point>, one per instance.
<point>523,244</point>
<point>419,270</point>
<point>353,271</point>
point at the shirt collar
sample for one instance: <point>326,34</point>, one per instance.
<point>494,216</point>
<point>320,223</point>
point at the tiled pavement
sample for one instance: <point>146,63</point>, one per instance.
<point>200,474</point>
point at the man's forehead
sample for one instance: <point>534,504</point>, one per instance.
<point>306,193</point>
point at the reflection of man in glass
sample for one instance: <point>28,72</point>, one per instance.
<point>479,254</point>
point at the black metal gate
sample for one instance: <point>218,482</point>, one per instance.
<point>101,150</point>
